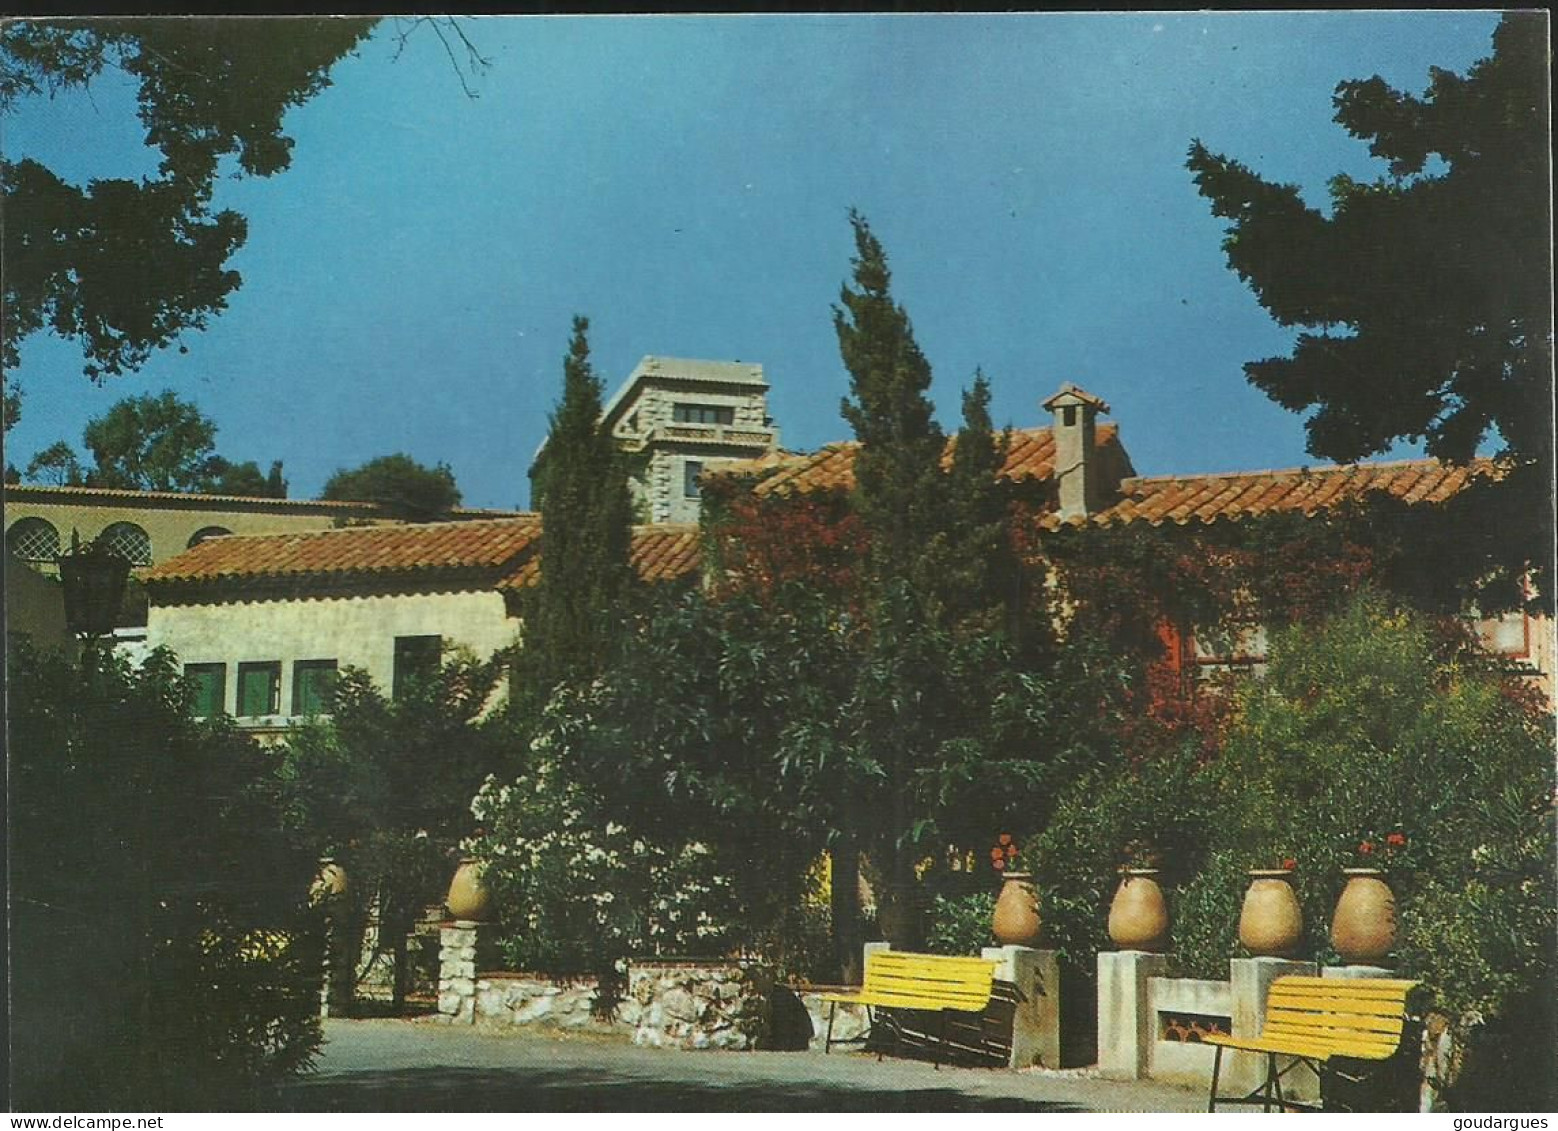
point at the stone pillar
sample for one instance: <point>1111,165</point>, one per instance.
<point>1251,980</point>
<point>463,947</point>
<point>1036,1022</point>
<point>1356,972</point>
<point>1126,1027</point>
<point>335,992</point>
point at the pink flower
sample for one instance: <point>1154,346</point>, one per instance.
<point>1396,840</point>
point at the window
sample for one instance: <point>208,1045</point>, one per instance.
<point>129,541</point>
<point>313,681</point>
<point>259,688</point>
<point>703,414</point>
<point>33,540</point>
<point>210,682</point>
<point>690,472</point>
<point>416,660</point>
<point>205,532</point>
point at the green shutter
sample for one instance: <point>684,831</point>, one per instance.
<point>312,682</point>
<point>257,687</point>
<point>210,682</point>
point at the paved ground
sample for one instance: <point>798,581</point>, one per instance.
<point>424,1066</point>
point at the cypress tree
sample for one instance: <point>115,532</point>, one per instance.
<point>580,487</point>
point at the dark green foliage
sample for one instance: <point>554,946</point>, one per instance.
<point>162,953</point>
<point>1376,721</point>
<point>56,466</point>
<point>152,443</point>
<point>246,479</point>
<point>1424,298</point>
<point>384,786</point>
<point>10,403</point>
<point>580,487</point>
<point>899,485</point>
<point>124,266</point>
<point>400,485</point>
<point>961,924</point>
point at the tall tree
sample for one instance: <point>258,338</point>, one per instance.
<point>580,486</point>
<point>399,484</point>
<point>126,266</point>
<point>901,496</point>
<point>152,443</point>
<point>1424,298</point>
<point>56,466</point>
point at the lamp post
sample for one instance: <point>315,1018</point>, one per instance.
<point>94,578</point>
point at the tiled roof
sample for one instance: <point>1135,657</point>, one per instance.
<point>1030,456</point>
<point>1206,498</point>
<point>660,552</point>
<point>501,547</point>
<point>362,551</point>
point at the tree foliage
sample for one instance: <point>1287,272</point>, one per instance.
<point>150,867</point>
<point>384,785</point>
<point>398,484</point>
<point>152,443</point>
<point>1423,299</point>
<point>580,487</point>
<point>124,266</point>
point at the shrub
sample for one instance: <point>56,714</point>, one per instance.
<point>150,874</point>
<point>960,924</point>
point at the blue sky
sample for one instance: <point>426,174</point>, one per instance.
<point>685,182</point>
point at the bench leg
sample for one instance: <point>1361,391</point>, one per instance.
<point>827,1044</point>
<point>1217,1067</point>
<point>1276,1080</point>
<point>941,1042</point>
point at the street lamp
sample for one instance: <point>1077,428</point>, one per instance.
<point>94,578</point>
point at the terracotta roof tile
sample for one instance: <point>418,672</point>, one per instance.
<point>365,551</point>
<point>660,552</point>
<point>1031,455</point>
<point>1207,498</point>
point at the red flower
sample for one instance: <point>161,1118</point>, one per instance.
<point>998,865</point>
<point>1396,840</point>
<point>1288,863</point>
<point>1366,847</point>
<point>1011,851</point>
<point>1006,838</point>
<point>996,854</point>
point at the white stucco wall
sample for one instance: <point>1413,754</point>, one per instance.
<point>354,631</point>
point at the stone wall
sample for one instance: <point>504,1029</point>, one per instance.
<point>697,1005</point>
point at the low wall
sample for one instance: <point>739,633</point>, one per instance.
<point>665,1003</point>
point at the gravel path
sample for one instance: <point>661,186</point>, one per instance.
<point>422,1065</point>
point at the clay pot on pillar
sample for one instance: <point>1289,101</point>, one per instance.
<point>468,897</point>
<point>1363,929</point>
<point>1016,921</point>
<point>1138,917</point>
<point>1271,923</point>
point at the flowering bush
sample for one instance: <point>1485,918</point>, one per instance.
<point>577,891</point>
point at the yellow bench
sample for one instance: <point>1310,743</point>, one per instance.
<point>936,983</point>
<point>1313,1021</point>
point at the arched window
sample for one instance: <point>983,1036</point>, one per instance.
<point>205,532</point>
<point>33,540</point>
<point>129,541</point>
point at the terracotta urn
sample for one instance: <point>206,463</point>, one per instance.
<point>1363,929</point>
<point>1271,923</point>
<point>468,897</point>
<point>1016,921</point>
<point>329,884</point>
<point>1138,917</point>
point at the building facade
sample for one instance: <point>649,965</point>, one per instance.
<point>686,417</point>
<point>263,624</point>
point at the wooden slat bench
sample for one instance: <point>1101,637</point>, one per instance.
<point>1316,1021</point>
<point>936,983</point>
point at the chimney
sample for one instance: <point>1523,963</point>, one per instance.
<point>1076,458</point>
